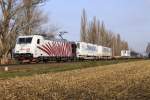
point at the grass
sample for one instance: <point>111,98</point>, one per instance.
<point>124,81</point>
<point>28,70</point>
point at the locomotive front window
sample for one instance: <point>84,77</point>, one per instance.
<point>28,40</point>
<point>24,40</point>
<point>21,40</point>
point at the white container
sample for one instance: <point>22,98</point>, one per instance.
<point>86,49</point>
<point>100,51</point>
<point>125,53</point>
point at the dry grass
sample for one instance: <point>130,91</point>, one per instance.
<point>126,81</point>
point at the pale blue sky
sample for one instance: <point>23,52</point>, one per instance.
<point>129,18</point>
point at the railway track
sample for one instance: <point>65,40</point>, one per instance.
<point>66,62</point>
<point>18,70</point>
<point>24,64</point>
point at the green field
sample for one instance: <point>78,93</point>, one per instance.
<point>28,70</point>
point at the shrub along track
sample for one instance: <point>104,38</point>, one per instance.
<point>17,70</point>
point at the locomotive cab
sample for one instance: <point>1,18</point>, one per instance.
<point>25,48</point>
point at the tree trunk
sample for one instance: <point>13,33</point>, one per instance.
<point>4,59</point>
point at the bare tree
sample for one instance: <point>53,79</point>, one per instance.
<point>102,33</point>
<point>113,45</point>
<point>118,45</point>
<point>148,49</point>
<point>124,45</point>
<point>11,23</point>
<point>33,15</point>
<point>83,30</point>
<point>8,12</point>
<point>92,32</point>
<point>96,33</point>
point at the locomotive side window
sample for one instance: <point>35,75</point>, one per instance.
<point>38,41</point>
<point>24,40</point>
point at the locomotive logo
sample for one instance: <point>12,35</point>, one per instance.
<point>56,48</point>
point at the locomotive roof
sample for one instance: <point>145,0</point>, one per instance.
<point>47,38</point>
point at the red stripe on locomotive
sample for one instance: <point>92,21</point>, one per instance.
<point>59,49</point>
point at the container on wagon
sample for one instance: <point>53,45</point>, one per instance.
<point>125,53</point>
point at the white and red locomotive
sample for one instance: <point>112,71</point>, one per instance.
<point>41,48</point>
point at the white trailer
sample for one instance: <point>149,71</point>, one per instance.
<point>125,53</point>
<point>86,50</point>
<point>107,52</point>
<point>100,51</point>
<point>104,52</point>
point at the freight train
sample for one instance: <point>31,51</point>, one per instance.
<point>41,48</point>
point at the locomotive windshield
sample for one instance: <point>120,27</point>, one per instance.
<point>24,40</point>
